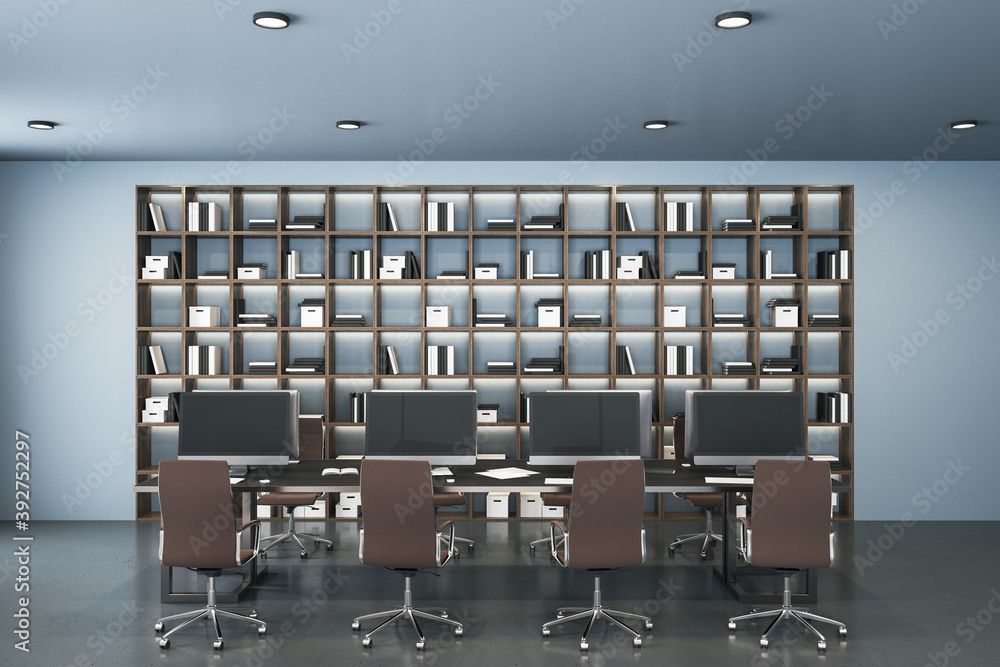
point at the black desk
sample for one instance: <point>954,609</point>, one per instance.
<point>662,476</point>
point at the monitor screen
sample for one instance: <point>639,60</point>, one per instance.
<point>736,428</point>
<point>241,427</point>
<point>567,426</point>
<point>426,425</point>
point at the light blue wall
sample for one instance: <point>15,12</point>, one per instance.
<point>923,423</point>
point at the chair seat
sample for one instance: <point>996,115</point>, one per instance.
<point>245,555</point>
<point>288,499</point>
<point>702,499</point>
<point>557,498</point>
<point>447,498</point>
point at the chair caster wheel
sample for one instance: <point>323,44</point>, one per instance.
<point>732,625</point>
<point>263,554</point>
<point>560,614</point>
<point>164,643</point>
<point>158,627</point>
<point>637,642</point>
<point>546,632</point>
<point>821,646</point>
<point>702,557</point>
<point>253,613</point>
<point>459,631</point>
<point>531,549</point>
<point>584,646</point>
<point>356,625</point>
<point>217,644</point>
<point>842,632</point>
<point>303,555</point>
<point>329,547</point>
<point>366,642</point>
<point>471,547</point>
<point>261,629</point>
<point>444,614</point>
<point>649,625</point>
<point>671,551</point>
<point>763,643</point>
<point>420,646</point>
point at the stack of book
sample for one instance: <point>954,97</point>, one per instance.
<point>789,365</point>
<point>833,407</point>
<point>385,362</point>
<point>454,274</point>
<point>738,225</point>
<point>348,320</point>
<point>358,402</point>
<point>489,319</point>
<point>820,320</point>
<point>623,217</point>
<point>833,264</point>
<point>730,320</point>
<point>256,320</point>
<point>501,368</point>
<point>386,220</point>
<point>597,264</point>
<point>204,216</point>
<point>361,264</point>
<point>549,312</point>
<point>151,218</point>
<point>554,222</point>
<point>550,365</point>
<point>149,360</point>
<point>694,275</point>
<point>306,365</point>
<point>679,216</point>
<point>440,359</point>
<point>833,460</point>
<point>307,223</point>
<point>262,225</point>
<point>679,359</point>
<point>766,267</point>
<point>586,320</point>
<point>217,274</point>
<point>441,216</point>
<point>781,222</point>
<point>263,367</point>
<point>251,271</point>
<point>737,368</point>
<point>204,359</point>
<point>500,225</point>
<point>527,267</point>
<point>623,360</point>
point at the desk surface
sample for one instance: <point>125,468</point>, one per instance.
<point>662,476</point>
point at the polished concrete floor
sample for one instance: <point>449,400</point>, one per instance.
<point>927,594</point>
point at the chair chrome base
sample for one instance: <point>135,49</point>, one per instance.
<point>211,611</point>
<point>292,534</point>
<point>455,552</point>
<point>407,611</point>
<point>709,537</point>
<point>790,612</point>
<point>597,611</point>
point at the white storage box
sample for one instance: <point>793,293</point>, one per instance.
<point>484,273</point>
<point>438,316</point>
<point>157,403</point>
<point>390,273</point>
<point>159,273</point>
<point>316,511</point>
<point>312,316</point>
<point>552,511</point>
<point>785,316</point>
<point>154,416</point>
<point>624,273</point>
<point>497,505</point>
<point>723,272</point>
<point>675,316</point>
<point>347,510</point>
<point>249,272</point>
<point>486,416</point>
<point>349,499</point>
<point>204,316</point>
<point>157,261</point>
<point>531,504</point>
<point>549,316</point>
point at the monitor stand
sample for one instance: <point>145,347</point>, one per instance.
<point>743,471</point>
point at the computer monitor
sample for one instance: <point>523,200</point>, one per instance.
<point>737,428</point>
<point>241,427</point>
<point>438,426</point>
<point>567,426</point>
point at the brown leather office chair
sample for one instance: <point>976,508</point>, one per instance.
<point>789,532</point>
<point>310,447</point>
<point>553,499</point>
<point>453,499</point>
<point>198,531</point>
<point>399,533</point>
<point>605,532</point>
<point>706,502</point>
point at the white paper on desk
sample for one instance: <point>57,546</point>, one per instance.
<point>440,472</point>
<point>560,481</point>
<point>235,480</point>
<point>744,481</point>
<point>507,473</point>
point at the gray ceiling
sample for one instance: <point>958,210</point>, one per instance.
<point>501,80</point>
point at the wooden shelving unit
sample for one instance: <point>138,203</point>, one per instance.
<point>631,310</point>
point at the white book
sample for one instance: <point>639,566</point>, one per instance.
<point>156,354</point>
<point>392,218</point>
<point>159,225</point>
<point>392,360</point>
<point>628,217</point>
<point>628,358</point>
<point>292,264</point>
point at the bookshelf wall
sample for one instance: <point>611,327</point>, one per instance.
<point>631,310</point>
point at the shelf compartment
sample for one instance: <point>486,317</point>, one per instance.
<point>635,305</point>
<point>642,205</point>
<point>493,345</point>
<point>493,205</point>
<point>588,210</point>
<point>353,210</point>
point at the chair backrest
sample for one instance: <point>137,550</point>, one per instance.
<point>196,515</point>
<point>605,514</point>
<point>397,498</point>
<point>791,514</point>
<point>679,452</point>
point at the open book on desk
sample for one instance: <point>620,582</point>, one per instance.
<point>340,471</point>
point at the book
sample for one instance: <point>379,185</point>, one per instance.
<point>156,215</point>
<point>340,471</point>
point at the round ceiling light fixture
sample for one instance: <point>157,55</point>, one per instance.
<point>964,124</point>
<point>348,124</point>
<point>733,20</point>
<point>41,125</point>
<point>271,20</point>
<point>655,124</point>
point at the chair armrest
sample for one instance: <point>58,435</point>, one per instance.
<point>554,541</point>
<point>450,526</point>
<point>254,536</point>
<point>642,538</point>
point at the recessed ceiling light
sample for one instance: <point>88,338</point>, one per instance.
<point>348,124</point>
<point>655,124</point>
<point>41,124</point>
<point>731,20</point>
<point>271,20</point>
<point>964,124</point>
